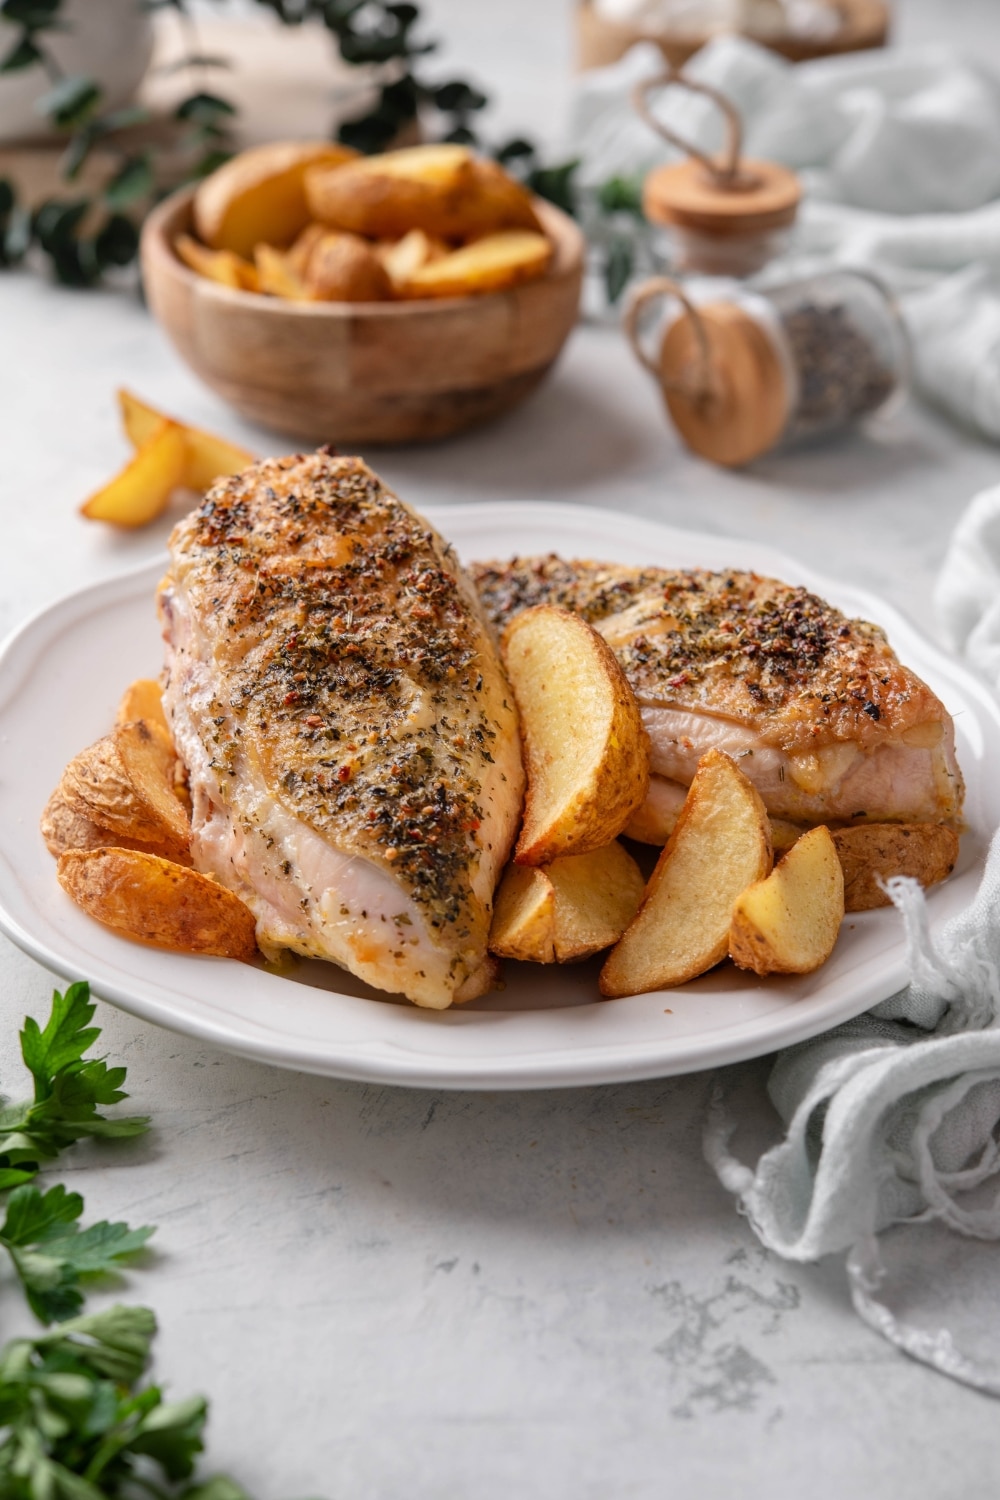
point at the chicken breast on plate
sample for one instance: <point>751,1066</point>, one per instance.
<point>816,708</point>
<point>349,735</point>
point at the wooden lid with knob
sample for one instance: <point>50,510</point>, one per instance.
<point>760,197</point>
<point>728,196</point>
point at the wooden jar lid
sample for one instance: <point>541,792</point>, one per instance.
<point>762,196</point>
<point>744,409</point>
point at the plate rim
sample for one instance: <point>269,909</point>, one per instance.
<point>386,1060</point>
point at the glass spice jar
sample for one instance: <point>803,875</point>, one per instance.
<point>715,217</point>
<point>747,370</point>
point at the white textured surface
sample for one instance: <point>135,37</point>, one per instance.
<point>392,1293</point>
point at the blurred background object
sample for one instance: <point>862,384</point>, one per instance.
<point>798,29</point>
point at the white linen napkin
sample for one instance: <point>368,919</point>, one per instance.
<point>895,1117</point>
<point>901,169</point>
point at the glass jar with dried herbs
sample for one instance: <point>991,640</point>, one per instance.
<point>747,369</point>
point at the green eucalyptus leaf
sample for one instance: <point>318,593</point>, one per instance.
<point>56,221</point>
<point>203,109</point>
<point>555,184</point>
<point>35,15</point>
<point>116,244</point>
<point>70,102</point>
<point>133,180</point>
<point>458,98</point>
<point>23,54</point>
<point>617,267</point>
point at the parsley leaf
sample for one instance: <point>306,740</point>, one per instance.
<point>69,1091</point>
<point>51,1252</point>
<point>74,1425</point>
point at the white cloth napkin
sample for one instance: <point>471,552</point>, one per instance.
<point>898,153</point>
<point>895,1117</point>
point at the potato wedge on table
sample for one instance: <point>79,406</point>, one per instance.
<point>788,923</point>
<point>156,901</point>
<point>259,196</point>
<point>223,266</point>
<point>584,782</point>
<point>721,844</point>
<point>207,457</point>
<point>141,491</point>
<point>125,784</point>
<point>491,264</point>
<point>873,852</point>
<point>568,910</point>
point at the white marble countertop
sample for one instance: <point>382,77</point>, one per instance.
<point>389,1292</point>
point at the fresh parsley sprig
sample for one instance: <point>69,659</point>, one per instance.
<point>77,1424</point>
<point>70,1091</point>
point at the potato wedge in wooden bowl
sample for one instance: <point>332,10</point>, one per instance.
<point>582,787</point>
<point>259,196</point>
<point>721,844</point>
<point>568,910</point>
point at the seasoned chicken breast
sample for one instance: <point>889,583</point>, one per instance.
<point>816,708</point>
<point>350,739</point>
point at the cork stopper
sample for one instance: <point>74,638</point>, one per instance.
<point>725,197</point>
<point>761,196</point>
<point>724,384</point>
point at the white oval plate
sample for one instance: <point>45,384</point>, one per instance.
<point>60,678</point>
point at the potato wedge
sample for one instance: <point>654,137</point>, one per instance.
<point>156,901</point>
<point>583,786</point>
<point>523,923</point>
<point>141,491</point>
<point>276,277</point>
<point>402,257</point>
<point>570,909</point>
<point>384,197</point>
<point>721,844</point>
<point>125,783</point>
<point>656,819</point>
<point>64,828</point>
<point>345,268</point>
<point>297,256</point>
<point>441,189</point>
<point>208,457</point>
<point>223,266</point>
<point>487,265</point>
<point>143,699</point>
<point>788,923</point>
<point>876,851</point>
<point>259,196</point>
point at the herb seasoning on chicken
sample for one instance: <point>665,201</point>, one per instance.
<point>350,739</point>
<point>818,710</point>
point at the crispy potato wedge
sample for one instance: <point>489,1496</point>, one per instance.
<point>125,784</point>
<point>141,490</point>
<point>788,923</point>
<point>402,257</point>
<point>721,844</point>
<point>156,901</point>
<point>223,266</point>
<point>276,277</point>
<point>656,819</point>
<point>208,457</point>
<point>523,923</point>
<point>64,828</point>
<point>143,699</point>
<point>345,268</point>
<point>297,256</point>
<point>784,834</point>
<point>570,909</point>
<point>259,196</point>
<point>442,189</point>
<point>582,786</point>
<point>872,852</point>
<point>488,265</point>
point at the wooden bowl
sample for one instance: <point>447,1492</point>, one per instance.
<point>352,373</point>
<point>601,42</point>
